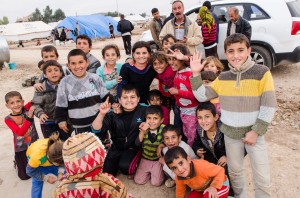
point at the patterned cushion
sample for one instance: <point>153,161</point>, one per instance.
<point>82,154</point>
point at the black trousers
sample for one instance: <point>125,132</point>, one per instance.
<point>21,163</point>
<point>125,160</point>
<point>127,44</point>
<point>212,51</point>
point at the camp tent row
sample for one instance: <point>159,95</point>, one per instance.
<point>94,26</point>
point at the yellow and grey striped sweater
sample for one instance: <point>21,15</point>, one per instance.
<point>247,98</point>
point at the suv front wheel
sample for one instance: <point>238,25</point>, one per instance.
<point>261,55</point>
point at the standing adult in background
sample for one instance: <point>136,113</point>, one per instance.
<point>155,27</point>
<point>208,5</point>
<point>238,24</point>
<point>125,27</point>
<point>185,31</point>
<point>209,32</point>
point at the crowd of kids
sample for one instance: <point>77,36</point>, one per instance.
<point>217,116</point>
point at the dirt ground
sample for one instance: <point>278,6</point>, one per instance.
<point>283,137</point>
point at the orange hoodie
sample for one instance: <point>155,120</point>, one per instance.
<point>203,171</point>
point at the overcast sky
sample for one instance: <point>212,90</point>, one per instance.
<point>14,9</point>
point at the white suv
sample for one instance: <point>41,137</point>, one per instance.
<point>275,28</point>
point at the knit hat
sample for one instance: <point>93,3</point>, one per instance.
<point>82,154</point>
<point>206,18</point>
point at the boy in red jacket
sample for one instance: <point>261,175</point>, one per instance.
<point>21,123</point>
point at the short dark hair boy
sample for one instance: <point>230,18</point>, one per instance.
<point>49,48</point>
<point>84,37</point>
<point>206,179</point>
<point>76,52</point>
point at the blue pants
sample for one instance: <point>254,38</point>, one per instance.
<point>37,186</point>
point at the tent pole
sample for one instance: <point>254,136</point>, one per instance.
<point>117,8</point>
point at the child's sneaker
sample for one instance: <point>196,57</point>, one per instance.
<point>170,183</point>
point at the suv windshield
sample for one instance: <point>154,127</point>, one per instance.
<point>294,7</point>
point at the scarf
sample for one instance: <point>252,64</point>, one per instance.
<point>206,17</point>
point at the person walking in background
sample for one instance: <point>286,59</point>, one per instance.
<point>125,27</point>
<point>155,27</point>
<point>238,24</point>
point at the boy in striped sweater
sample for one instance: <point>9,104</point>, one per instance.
<point>150,138</point>
<point>248,104</point>
<point>79,95</point>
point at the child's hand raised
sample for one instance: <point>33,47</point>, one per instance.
<point>31,111</point>
<point>105,107</point>
<point>195,63</point>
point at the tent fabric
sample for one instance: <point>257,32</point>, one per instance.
<point>94,26</point>
<point>25,31</point>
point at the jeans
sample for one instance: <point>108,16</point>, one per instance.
<point>37,186</point>
<point>127,44</point>
<point>259,164</point>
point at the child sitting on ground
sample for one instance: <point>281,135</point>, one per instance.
<point>248,104</point>
<point>150,138</point>
<point>21,123</point>
<point>45,101</point>
<point>172,137</point>
<point>84,178</point>
<point>182,91</point>
<point>110,71</point>
<point>44,158</point>
<point>84,43</point>
<point>124,129</point>
<point>155,98</point>
<point>204,178</point>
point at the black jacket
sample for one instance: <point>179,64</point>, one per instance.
<point>242,26</point>
<point>124,26</point>
<point>114,123</point>
<point>218,150</point>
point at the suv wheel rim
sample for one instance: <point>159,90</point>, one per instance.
<point>257,58</point>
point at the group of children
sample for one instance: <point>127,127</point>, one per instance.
<point>112,101</point>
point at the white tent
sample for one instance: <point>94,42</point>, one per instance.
<point>134,19</point>
<point>26,31</point>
